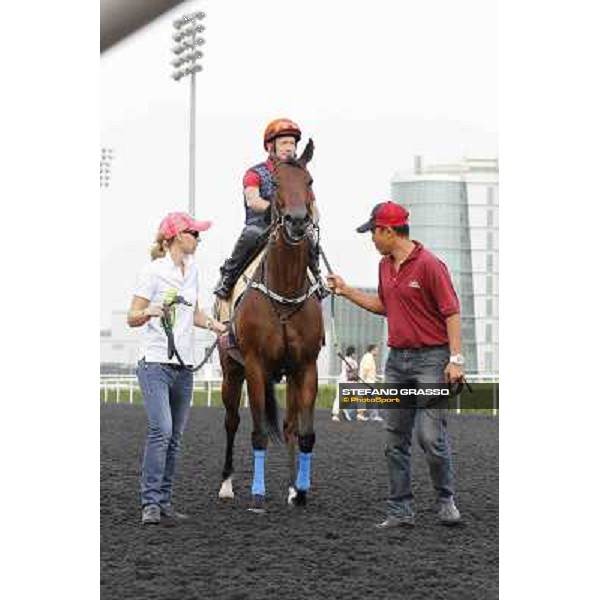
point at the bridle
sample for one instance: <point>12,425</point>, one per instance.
<point>279,226</point>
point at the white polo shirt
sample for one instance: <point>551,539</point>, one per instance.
<point>155,280</point>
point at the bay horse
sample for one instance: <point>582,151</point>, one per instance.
<point>278,326</point>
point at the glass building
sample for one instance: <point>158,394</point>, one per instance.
<point>454,213</point>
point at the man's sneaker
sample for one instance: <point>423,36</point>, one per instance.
<point>151,514</point>
<point>376,419</point>
<point>448,513</point>
<point>170,513</point>
<point>407,520</point>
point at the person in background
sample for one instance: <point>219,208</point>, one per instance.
<point>349,373</point>
<point>166,385</point>
<point>368,373</point>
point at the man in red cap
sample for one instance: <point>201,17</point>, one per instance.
<point>416,295</point>
<point>280,140</point>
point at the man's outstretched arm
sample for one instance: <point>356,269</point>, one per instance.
<point>370,302</point>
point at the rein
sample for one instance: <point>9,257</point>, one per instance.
<point>336,345</point>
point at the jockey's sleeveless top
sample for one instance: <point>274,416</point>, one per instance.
<point>266,189</point>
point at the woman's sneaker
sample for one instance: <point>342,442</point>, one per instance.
<point>151,514</point>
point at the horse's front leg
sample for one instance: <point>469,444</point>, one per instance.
<point>290,433</point>
<point>256,378</point>
<point>306,395</point>
<point>231,390</point>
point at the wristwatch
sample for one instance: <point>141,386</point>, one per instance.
<point>457,359</point>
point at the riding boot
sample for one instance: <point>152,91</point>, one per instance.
<point>246,248</point>
<point>313,264</point>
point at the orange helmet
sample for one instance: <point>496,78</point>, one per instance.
<point>280,127</point>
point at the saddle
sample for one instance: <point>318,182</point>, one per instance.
<point>224,309</point>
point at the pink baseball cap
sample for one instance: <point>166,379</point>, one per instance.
<point>176,222</point>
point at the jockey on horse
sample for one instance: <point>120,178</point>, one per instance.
<point>280,139</point>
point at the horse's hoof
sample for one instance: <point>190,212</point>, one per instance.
<point>226,491</point>
<point>257,505</point>
<point>301,498</point>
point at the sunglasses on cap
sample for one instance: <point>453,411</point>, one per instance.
<point>195,234</point>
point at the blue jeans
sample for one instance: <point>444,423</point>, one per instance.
<point>418,366</point>
<point>167,394</point>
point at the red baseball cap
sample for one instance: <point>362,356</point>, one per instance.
<point>385,214</point>
<point>176,222</point>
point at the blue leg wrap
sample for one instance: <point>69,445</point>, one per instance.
<point>303,478</point>
<point>258,481</point>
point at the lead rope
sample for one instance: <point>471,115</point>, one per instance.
<point>334,338</point>
<point>168,327</point>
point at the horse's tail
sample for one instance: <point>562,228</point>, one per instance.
<point>272,412</point>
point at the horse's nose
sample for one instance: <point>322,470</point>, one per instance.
<point>297,224</point>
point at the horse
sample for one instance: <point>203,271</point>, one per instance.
<point>279,329</point>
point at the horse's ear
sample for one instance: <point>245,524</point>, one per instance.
<point>308,153</point>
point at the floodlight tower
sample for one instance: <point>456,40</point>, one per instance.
<point>187,30</point>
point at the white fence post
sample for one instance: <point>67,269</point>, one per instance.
<point>209,392</point>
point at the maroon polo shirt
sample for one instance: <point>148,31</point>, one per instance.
<point>418,298</point>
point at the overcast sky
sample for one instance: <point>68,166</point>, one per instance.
<point>372,87</point>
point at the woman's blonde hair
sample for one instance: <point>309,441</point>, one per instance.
<point>160,247</point>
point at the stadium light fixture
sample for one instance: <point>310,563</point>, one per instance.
<point>186,35</point>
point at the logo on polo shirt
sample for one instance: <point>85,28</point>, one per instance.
<point>414,284</point>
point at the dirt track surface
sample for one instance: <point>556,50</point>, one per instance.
<point>328,550</point>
